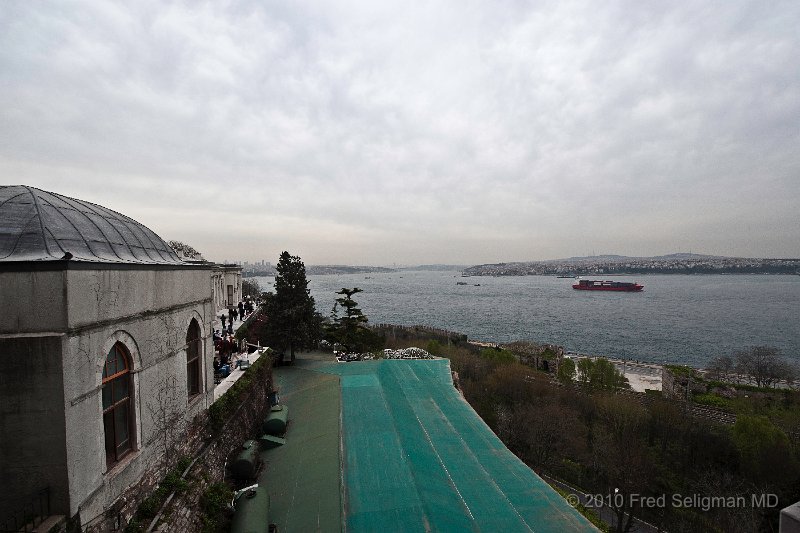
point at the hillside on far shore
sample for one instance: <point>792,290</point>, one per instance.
<point>681,263</point>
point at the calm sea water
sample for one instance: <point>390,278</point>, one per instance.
<point>677,319</point>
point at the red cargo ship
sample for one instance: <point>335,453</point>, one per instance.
<point>591,285</point>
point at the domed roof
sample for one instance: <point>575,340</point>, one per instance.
<point>37,225</point>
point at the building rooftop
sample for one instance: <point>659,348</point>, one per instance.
<point>414,456</point>
<point>37,225</point>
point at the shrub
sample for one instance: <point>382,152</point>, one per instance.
<point>433,347</point>
<point>134,526</point>
<point>712,400</point>
<point>497,355</point>
<point>147,510</point>
<point>682,371</point>
<point>214,504</point>
<point>220,410</point>
<point>183,464</point>
<point>174,483</point>
<point>149,507</point>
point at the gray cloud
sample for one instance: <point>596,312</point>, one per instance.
<point>379,132</point>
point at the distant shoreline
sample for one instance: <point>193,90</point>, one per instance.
<point>604,265</point>
<point>729,266</point>
<point>636,273</point>
<point>378,270</point>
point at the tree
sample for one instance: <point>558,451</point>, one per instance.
<point>600,374</point>
<point>250,287</point>
<point>764,365</point>
<point>584,368</point>
<point>291,319</point>
<point>623,470</point>
<point>765,451</point>
<point>546,432</point>
<point>722,367</point>
<point>622,466</point>
<point>606,376</point>
<point>184,251</point>
<point>350,330</point>
<point>566,371</point>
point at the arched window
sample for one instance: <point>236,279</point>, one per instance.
<point>193,350</point>
<point>117,416</point>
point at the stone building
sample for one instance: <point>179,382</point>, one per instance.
<point>105,348</point>
<point>226,283</point>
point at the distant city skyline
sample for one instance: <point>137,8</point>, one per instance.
<point>562,264</point>
<point>381,133</point>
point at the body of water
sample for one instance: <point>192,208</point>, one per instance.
<point>677,318</point>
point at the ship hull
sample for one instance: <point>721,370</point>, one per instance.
<point>614,286</point>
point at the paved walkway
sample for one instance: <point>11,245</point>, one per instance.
<point>223,386</point>
<point>305,473</point>
<point>216,323</point>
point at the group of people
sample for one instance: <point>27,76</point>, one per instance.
<point>225,343</point>
<point>238,312</point>
<point>226,347</point>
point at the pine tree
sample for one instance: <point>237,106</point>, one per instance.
<point>350,330</point>
<point>291,318</point>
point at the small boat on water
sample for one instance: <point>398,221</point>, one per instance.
<point>620,286</point>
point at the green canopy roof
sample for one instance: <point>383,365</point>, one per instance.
<point>415,456</point>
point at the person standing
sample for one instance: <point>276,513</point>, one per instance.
<point>241,311</point>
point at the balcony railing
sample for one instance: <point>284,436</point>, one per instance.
<point>27,513</point>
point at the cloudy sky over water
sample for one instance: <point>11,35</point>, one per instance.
<point>415,132</point>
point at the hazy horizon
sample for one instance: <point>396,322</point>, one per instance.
<point>380,133</point>
<point>412,265</point>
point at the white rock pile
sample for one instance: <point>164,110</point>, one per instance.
<point>407,353</point>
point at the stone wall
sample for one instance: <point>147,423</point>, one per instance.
<point>669,387</point>
<point>210,451</point>
<point>32,302</point>
<point>183,513</point>
<point>149,313</point>
<point>394,332</point>
<point>32,452</point>
<point>546,357</point>
<point>679,387</point>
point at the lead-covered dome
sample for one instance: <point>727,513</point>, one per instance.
<point>37,225</point>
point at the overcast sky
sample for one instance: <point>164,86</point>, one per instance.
<point>415,132</point>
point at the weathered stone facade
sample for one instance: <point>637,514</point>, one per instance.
<point>183,514</point>
<point>226,286</point>
<point>51,382</point>
<point>211,452</point>
<point>80,283</point>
